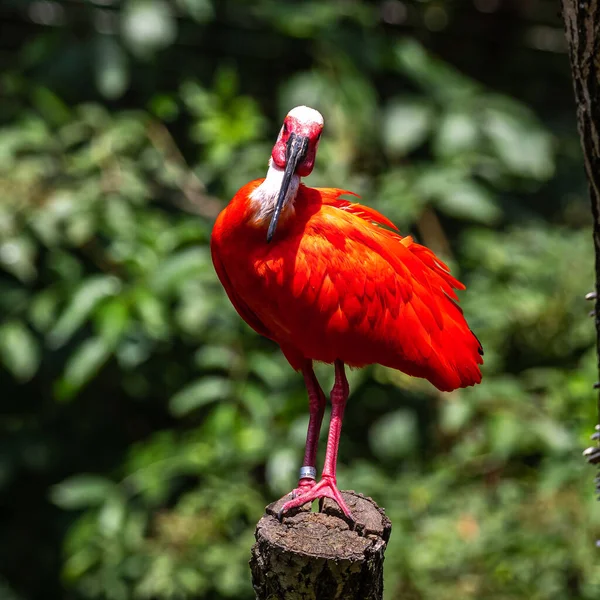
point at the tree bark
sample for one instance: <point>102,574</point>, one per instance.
<point>321,556</point>
<point>582,26</point>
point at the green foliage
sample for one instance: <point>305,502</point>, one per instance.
<point>146,427</point>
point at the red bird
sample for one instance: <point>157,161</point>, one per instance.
<point>319,275</point>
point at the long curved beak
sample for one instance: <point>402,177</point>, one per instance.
<point>296,148</point>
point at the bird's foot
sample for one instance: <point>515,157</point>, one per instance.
<point>326,488</point>
<point>304,485</point>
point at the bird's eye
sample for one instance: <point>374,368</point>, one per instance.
<point>319,136</point>
<point>285,128</point>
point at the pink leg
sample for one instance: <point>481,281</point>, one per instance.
<point>316,404</point>
<point>327,487</point>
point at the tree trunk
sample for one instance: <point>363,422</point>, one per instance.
<point>320,556</point>
<point>582,25</point>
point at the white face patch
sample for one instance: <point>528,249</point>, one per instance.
<point>264,197</point>
<point>304,114</point>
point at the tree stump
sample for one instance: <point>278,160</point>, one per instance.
<point>321,555</point>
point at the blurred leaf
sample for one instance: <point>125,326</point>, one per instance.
<point>134,350</point>
<point>557,437</point>
<point>148,26</point>
<point>406,125</point>
<point>310,88</point>
<point>199,393</point>
<point>17,257</point>
<point>111,68</point>
<point>469,200</point>
<point>112,515</point>
<point>271,368</point>
<point>456,133</point>
<point>199,10</point>
<point>524,147</point>
<point>281,470</point>
<point>151,312</point>
<point>79,563</point>
<point>113,320</point>
<point>50,106</point>
<point>82,366</point>
<point>395,435</point>
<point>81,491</point>
<point>314,17</point>
<point>400,199</point>
<point>507,434</point>
<point>179,268</point>
<point>19,350</point>
<point>457,195</point>
<point>433,75</point>
<point>164,107</point>
<point>85,299</point>
<point>455,415</point>
<point>215,357</point>
<point>43,308</point>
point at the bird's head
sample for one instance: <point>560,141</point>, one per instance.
<point>295,151</point>
<point>296,146</point>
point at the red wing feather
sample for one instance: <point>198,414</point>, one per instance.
<point>331,197</point>
<point>390,300</point>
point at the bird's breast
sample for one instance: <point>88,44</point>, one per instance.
<point>294,289</point>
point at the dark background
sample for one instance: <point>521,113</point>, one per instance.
<point>144,426</point>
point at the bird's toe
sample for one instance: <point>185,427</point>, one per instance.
<point>326,488</point>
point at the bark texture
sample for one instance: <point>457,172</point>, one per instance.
<point>582,26</point>
<point>321,556</point>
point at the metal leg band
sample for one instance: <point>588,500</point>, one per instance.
<point>308,473</point>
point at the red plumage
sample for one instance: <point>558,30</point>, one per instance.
<point>334,284</point>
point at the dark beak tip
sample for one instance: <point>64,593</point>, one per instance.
<point>271,231</point>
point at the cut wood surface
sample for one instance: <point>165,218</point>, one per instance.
<point>321,556</point>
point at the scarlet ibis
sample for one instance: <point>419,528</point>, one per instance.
<point>331,280</point>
